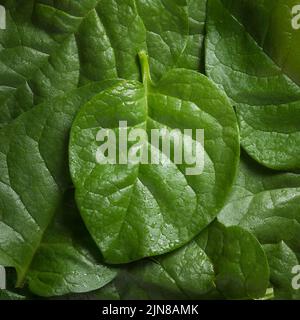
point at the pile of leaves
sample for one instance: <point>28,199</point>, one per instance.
<point>74,228</point>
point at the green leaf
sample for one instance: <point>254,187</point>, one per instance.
<point>282,260</point>
<point>108,292</point>
<point>67,260</point>
<point>112,32</point>
<point>8,295</point>
<point>239,261</point>
<point>138,210</point>
<point>184,274</point>
<point>267,101</point>
<point>48,47</point>
<point>33,181</point>
<point>10,292</point>
<point>266,203</point>
<point>34,64</point>
<point>221,262</point>
<point>193,55</point>
<point>270,25</point>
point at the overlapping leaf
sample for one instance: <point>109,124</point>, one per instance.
<point>52,47</point>
<point>220,263</point>
<point>267,204</point>
<point>34,177</point>
<point>267,101</point>
<point>48,49</point>
<point>270,24</point>
<point>282,261</point>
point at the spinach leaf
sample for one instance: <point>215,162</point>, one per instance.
<point>239,261</point>
<point>108,292</point>
<point>183,274</point>
<point>67,259</point>
<point>48,48</point>
<point>8,295</point>
<point>266,203</point>
<point>112,33</point>
<point>11,292</point>
<point>269,23</point>
<point>193,55</point>
<point>267,101</point>
<point>232,265</point>
<point>222,262</point>
<point>34,64</point>
<point>186,273</point>
<point>282,261</point>
<point>137,210</point>
<point>127,27</point>
<point>33,181</point>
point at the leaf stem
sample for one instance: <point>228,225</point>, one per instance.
<point>144,62</point>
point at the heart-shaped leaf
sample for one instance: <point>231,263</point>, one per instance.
<point>137,210</point>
